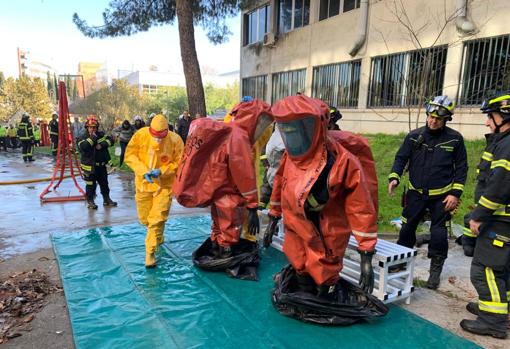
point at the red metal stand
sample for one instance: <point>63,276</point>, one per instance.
<point>66,153</point>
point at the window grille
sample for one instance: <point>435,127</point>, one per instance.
<point>287,84</point>
<point>337,84</point>
<point>407,79</point>
<point>255,86</point>
<point>486,69</point>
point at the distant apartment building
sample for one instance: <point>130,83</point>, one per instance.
<point>151,81</point>
<point>33,68</point>
<point>89,70</point>
<point>378,60</point>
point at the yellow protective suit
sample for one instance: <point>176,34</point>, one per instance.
<point>153,200</point>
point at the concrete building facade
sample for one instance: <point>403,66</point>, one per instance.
<point>378,61</point>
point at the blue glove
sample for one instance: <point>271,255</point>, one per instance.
<point>155,173</point>
<point>148,177</point>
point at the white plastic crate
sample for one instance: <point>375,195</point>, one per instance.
<point>388,287</point>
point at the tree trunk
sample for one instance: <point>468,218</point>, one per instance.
<point>194,87</point>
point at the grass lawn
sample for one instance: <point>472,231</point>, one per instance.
<point>384,148</point>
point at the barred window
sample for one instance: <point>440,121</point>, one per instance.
<point>486,68</point>
<point>337,84</point>
<point>255,86</point>
<point>256,24</point>
<point>288,83</point>
<point>407,79</point>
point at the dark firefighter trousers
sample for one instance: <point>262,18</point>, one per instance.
<point>54,145</point>
<point>490,274</point>
<point>26,150</point>
<point>123,146</point>
<point>94,176</point>
<point>416,206</point>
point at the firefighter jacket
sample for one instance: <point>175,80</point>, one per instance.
<point>53,126</point>
<point>436,160</point>
<point>25,131</point>
<point>90,155</point>
<point>494,201</point>
<point>484,167</point>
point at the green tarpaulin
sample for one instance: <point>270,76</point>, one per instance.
<point>114,302</point>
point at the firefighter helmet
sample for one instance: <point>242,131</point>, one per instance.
<point>498,103</point>
<point>440,107</point>
<point>91,121</point>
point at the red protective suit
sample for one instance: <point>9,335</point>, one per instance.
<point>350,206</point>
<point>217,169</point>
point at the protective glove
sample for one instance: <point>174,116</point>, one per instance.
<point>155,173</point>
<point>253,221</point>
<point>270,230</point>
<point>148,177</point>
<point>366,278</point>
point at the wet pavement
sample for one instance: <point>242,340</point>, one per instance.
<point>25,222</point>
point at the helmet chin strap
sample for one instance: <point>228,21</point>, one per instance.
<point>498,127</point>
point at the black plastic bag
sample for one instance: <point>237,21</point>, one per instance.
<point>242,264</point>
<point>354,304</point>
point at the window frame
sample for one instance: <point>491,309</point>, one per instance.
<point>292,19</point>
<point>341,8</point>
<point>247,24</point>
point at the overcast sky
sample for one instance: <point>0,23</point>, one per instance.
<point>45,29</point>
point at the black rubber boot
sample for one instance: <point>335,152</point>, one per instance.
<point>215,248</point>
<point>224,252</point>
<point>305,283</point>
<point>479,327</point>
<point>108,202</point>
<point>436,267</point>
<point>473,308</point>
<point>327,292</point>
<point>91,204</point>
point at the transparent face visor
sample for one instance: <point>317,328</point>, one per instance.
<point>298,135</point>
<point>263,122</point>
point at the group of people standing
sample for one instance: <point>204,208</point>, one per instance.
<point>435,156</point>
<point>14,137</point>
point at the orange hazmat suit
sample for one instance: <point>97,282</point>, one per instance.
<point>217,168</point>
<point>317,248</point>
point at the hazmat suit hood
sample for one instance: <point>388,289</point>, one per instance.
<point>303,122</point>
<point>254,117</point>
<point>159,126</point>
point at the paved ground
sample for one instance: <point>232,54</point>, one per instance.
<point>25,225</point>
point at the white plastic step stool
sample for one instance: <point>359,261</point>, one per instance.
<point>388,287</point>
